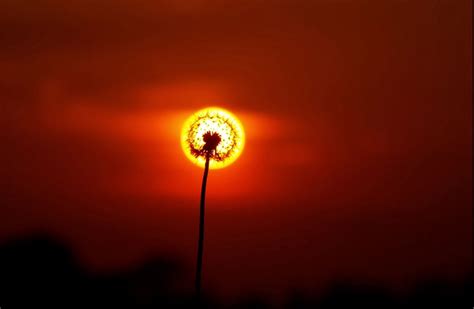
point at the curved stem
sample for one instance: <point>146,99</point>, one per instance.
<point>201,230</point>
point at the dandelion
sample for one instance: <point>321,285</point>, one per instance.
<point>212,138</point>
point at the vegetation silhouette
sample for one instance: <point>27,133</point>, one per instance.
<point>40,272</point>
<point>211,140</point>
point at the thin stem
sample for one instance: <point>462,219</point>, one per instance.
<point>201,230</point>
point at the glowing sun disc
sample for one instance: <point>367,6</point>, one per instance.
<point>213,120</point>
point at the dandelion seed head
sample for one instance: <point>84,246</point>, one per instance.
<point>213,132</point>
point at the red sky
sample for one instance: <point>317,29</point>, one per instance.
<point>359,144</point>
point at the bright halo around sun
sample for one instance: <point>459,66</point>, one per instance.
<point>213,120</point>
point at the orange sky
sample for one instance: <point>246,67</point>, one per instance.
<point>358,119</point>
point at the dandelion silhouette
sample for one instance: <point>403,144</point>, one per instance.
<point>211,138</point>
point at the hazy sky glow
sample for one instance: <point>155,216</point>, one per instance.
<point>357,116</point>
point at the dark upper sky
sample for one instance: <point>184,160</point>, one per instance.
<point>358,118</point>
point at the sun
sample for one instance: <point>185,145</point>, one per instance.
<point>215,126</point>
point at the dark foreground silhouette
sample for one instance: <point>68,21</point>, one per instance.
<point>39,272</point>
